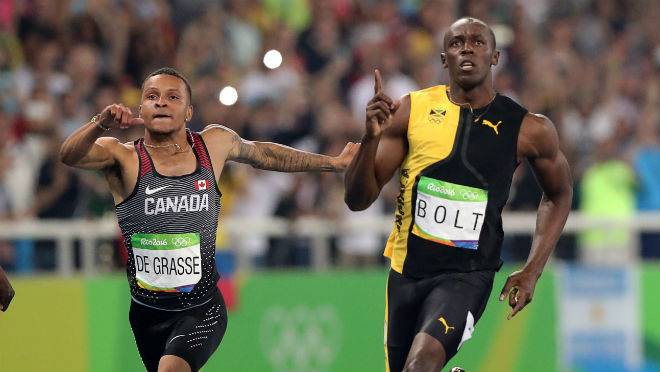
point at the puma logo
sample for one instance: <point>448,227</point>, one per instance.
<point>494,126</point>
<point>444,323</point>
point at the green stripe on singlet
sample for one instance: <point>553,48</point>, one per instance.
<point>161,242</point>
<point>451,191</point>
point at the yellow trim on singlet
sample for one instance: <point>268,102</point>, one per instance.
<point>432,129</point>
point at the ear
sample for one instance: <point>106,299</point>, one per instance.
<point>189,113</point>
<point>495,59</point>
<point>443,58</point>
<point>140,111</point>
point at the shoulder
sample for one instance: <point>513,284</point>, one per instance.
<point>538,136</point>
<point>538,125</point>
<point>215,132</point>
<point>114,145</point>
<point>430,90</point>
<point>432,93</point>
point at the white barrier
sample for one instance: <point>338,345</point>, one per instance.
<point>65,232</point>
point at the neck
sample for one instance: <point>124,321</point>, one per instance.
<point>476,97</point>
<point>177,141</point>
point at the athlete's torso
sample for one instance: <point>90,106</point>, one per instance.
<point>454,183</point>
<point>169,226</point>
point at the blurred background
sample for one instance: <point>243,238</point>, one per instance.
<point>303,276</point>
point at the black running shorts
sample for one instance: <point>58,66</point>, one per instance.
<point>191,334</point>
<point>446,306</point>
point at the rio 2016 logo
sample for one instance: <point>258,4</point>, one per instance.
<point>301,338</point>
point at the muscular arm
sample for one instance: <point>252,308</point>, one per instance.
<point>276,157</point>
<point>84,149</point>
<point>377,160</point>
<point>540,145</point>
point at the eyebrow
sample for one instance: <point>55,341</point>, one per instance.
<point>169,90</point>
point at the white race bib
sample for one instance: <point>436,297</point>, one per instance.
<point>449,213</point>
<point>167,262</point>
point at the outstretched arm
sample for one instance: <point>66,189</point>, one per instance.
<point>539,143</point>
<point>6,291</point>
<point>276,157</point>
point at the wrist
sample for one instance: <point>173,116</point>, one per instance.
<point>96,120</point>
<point>370,137</point>
<point>334,163</point>
<point>533,270</point>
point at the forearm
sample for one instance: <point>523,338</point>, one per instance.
<point>276,157</point>
<point>550,221</point>
<point>79,143</point>
<point>360,180</point>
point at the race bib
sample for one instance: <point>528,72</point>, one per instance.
<point>167,262</point>
<point>449,213</point>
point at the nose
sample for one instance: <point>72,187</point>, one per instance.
<point>467,49</point>
<point>161,102</point>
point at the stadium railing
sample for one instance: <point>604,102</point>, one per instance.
<point>89,232</point>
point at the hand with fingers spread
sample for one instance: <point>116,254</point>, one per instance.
<point>344,159</point>
<point>379,109</point>
<point>117,116</point>
<point>519,287</point>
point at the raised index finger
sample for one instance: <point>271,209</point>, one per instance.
<point>378,82</point>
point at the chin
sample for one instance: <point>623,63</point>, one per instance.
<point>469,82</point>
<point>164,128</point>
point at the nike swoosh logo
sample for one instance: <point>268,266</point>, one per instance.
<point>168,342</point>
<point>149,191</point>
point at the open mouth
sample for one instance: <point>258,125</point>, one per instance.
<point>162,116</point>
<point>466,66</point>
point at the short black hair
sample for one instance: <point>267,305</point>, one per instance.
<point>172,72</point>
<point>475,20</point>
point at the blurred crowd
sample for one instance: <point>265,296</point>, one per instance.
<point>592,66</point>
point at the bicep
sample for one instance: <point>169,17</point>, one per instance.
<point>541,146</point>
<point>552,172</point>
<point>390,155</point>
<point>240,150</point>
<point>101,155</point>
<point>243,151</point>
<point>393,146</point>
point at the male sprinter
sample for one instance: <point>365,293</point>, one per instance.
<point>165,188</point>
<point>457,147</point>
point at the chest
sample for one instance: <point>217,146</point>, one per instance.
<point>174,165</point>
<point>487,142</point>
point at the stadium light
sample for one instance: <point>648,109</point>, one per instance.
<point>273,59</point>
<point>228,96</point>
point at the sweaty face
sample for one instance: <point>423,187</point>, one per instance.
<point>165,105</point>
<point>469,53</point>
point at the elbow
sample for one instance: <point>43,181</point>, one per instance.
<point>354,204</point>
<point>567,194</point>
<point>65,156</point>
<point>563,197</point>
